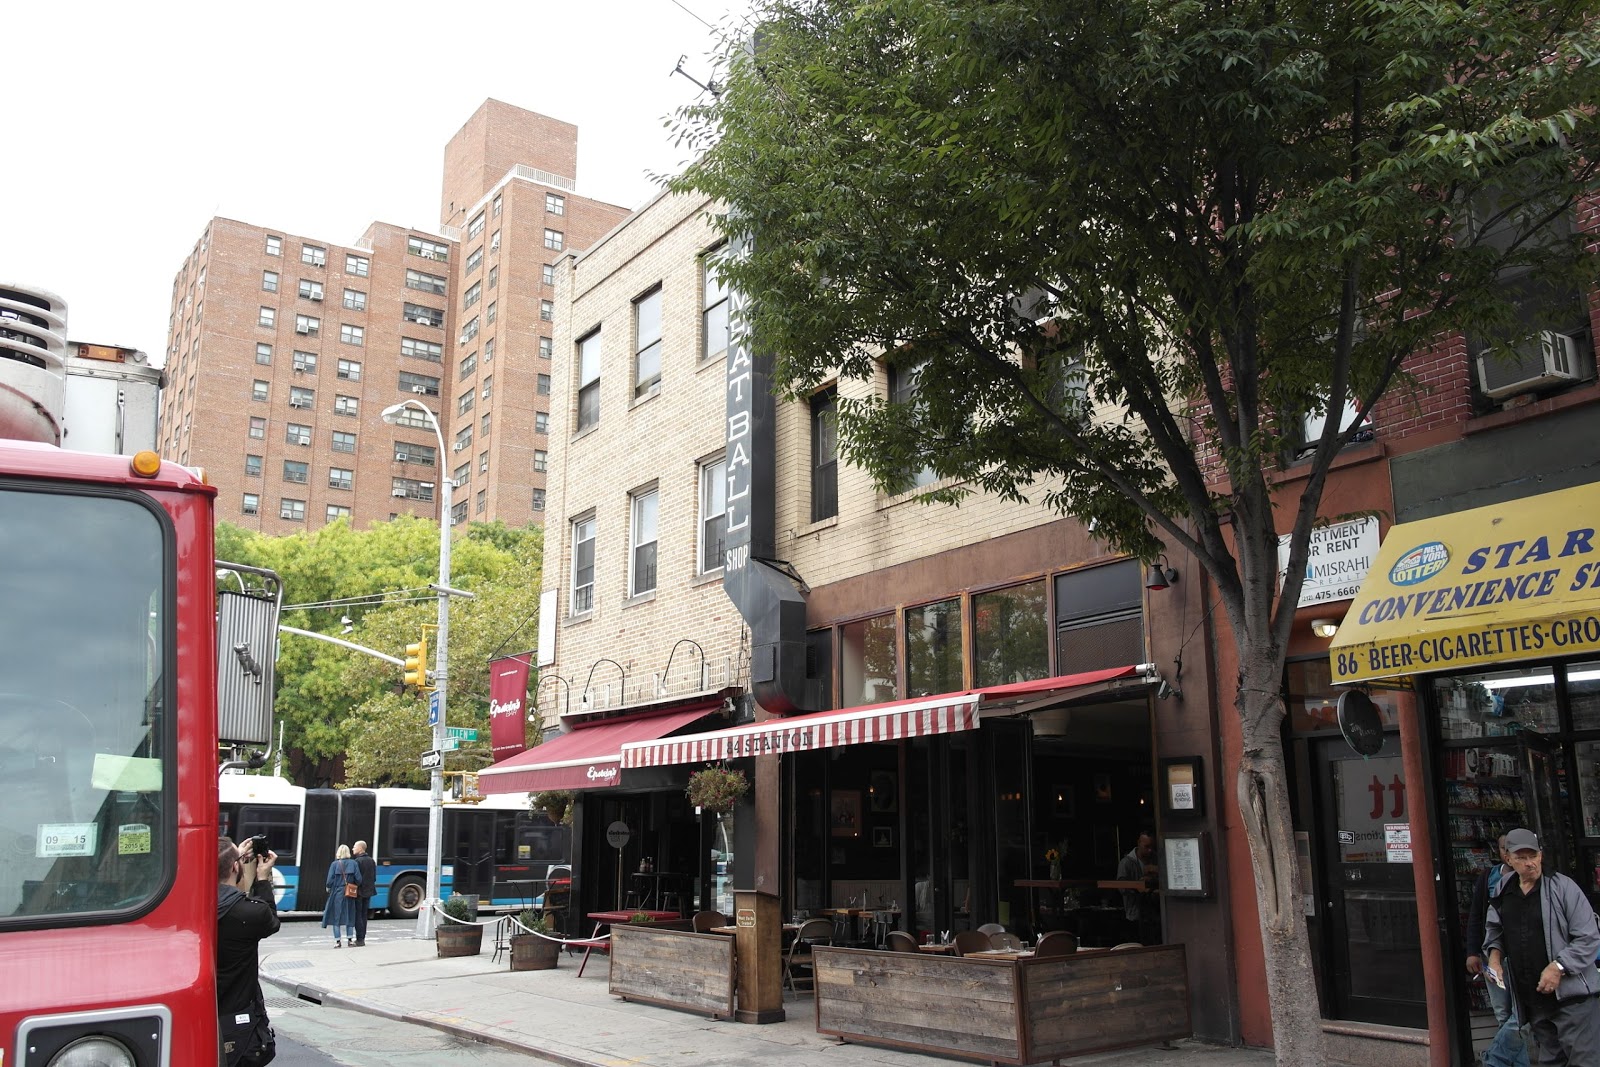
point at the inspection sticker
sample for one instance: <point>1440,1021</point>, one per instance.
<point>133,839</point>
<point>66,839</point>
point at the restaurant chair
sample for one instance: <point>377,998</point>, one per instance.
<point>900,941</point>
<point>971,941</point>
<point>882,923</point>
<point>705,920</point>
<point>798,962</point>
<point>1005,940</point>
<point>991,928</point>
<point>1057,943</point>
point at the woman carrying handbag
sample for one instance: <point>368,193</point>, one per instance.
<point>344,897</point>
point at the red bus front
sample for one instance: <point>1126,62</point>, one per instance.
<point>108,741</point>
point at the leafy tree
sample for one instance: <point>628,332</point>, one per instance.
<point>1125,248</point>
<point>339,704</point>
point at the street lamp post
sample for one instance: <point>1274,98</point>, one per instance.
<point>426,918</point>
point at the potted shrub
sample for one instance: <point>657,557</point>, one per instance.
<point>556,803</point>
<point>717,788</point>
<point>531,951</point>
<point>457,934</point>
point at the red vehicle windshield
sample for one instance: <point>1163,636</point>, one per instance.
<point>87,812</point>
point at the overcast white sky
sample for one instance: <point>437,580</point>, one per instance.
<point>128,126</point>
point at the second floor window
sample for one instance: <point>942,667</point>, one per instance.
<point>642,543</point>
<point>647,342</point>
<point>824,455</point>
<point>713,515</point>
<point>714,316</point>
<point>589,381</point>
<point>583,531</point>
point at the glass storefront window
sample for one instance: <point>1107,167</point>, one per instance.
<point>1587,763</point>
<point>933,649</point>
<point>868,671</point>
<point>1498,704</point>
<point>1314,702</point>
<point>1583,694</point>
<point>1010,636</point>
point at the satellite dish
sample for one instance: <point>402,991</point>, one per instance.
<point>1360,722</point>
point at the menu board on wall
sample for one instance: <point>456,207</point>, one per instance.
<point>1186,865</point>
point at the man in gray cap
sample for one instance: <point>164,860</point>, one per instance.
<point>1542,940</point>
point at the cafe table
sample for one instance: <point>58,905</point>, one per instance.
<point>941,949</point>
<point>1000,954</point>
<point>602,919</point>
<point>852,915</point>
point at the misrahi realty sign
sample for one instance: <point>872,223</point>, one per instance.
<point>1337,560</point>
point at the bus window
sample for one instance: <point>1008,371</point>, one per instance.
<point>406,834</point>
<point>279,822</point>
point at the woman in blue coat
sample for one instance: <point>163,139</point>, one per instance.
<point>340,911</point>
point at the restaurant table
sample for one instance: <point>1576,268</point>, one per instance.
<point>603,919</point>
<point>787,929</point>
<point>938,950</point>
<point>1001,954</point>
<point>654,879</point>
<point>852,915</point>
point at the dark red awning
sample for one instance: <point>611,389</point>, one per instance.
<point>589,756</point>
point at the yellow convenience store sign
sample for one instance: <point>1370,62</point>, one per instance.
<point>1480,588</point>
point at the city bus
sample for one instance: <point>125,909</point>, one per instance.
<point>495,848</point>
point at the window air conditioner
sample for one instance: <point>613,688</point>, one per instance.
<point>299,403</point>
<point>486,394</point>
<point>1544,360</point>
<point>402,457</point>
<point>316,296</point>
<point>398,492</point>
<point>459,446</point>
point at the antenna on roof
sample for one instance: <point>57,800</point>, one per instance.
<point>711,87</point>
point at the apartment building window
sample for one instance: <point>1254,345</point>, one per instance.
<point>646,511</point>
<point>428,350</point>
<point>555,205</point>
<point>258,428</point>
<point>267,317</point>
<point>483,463</point>
<point>260,390</point>
<point>474,260</point>
<point>549,273</point>
<point>464,402</point>
<point>546,348</point>
<point>547,310</point>
<point>475,227</point>
<point>252,466</point>
<point>489,313</point>
<point>352,335</point>
<point>426,283</point>
<point>583,531</point>
<point>360,266</point>
<point>488,350</point>
<point>495,207</point>
<point>421,384</point>
<point>463,439</point>
<point>310,290</point>
<point>713,514</point>
<point>461,475</point>
<point>483,423</point>
<point>251,504</point>
<point>488,386</point>
<point>412,489</point>
<point>714,316</point>
<point>297,434</point>
<point>468,365</point>
<point>538,500</point>
<point>341,478</point>
<point>269,280</point>
<point>349,370</point>
<point>494,276</point>
<point>458,513</point>
<point>274,246</point>
<point>647,343</point>
<point>346,405</point>
<point>543,385</point>
<point>295,471</point>
<point>470,330</point>
<point>825,454</point>
<point>541,422</point>
<point>869,666</point>
<point>308,325</point>
<point>423,316</point>
<point>407,452</point>
<point>541,461</point>
<point>301,397</point>
<point>355,300</point>
<point>264,354</point>
<point>336,512</point>
<point>305,362</point>
<point>433,250</point>
<point>903,390</point>
<point>344,442</point>
<point>412,417</point>
<point>317,257</point>
<point>554,240</point>
<point>589,381</point>
<point>473,294</point>
<point>934,648</point>
<point>294,510</point>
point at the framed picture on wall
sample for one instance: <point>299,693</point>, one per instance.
<point>882,793</point>
<point>883,837</point>
<point>1102,788</point>
<point>844,813</point>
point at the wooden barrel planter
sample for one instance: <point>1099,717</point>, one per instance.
<point>458,939</point>
<point>531,952</point>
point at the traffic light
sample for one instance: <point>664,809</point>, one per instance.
<point>416,668</point>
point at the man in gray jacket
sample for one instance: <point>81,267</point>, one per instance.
<point>1542,940</point>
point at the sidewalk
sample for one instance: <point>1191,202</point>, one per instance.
<point>558,1017</point>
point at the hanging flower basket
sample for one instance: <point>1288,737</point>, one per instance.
<point>717,788</point>
<point>556,803</point>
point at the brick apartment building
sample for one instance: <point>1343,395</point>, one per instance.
<point>282,350</point>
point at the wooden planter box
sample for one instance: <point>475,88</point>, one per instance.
<point>1004,1011</point>
<point>673,968</point>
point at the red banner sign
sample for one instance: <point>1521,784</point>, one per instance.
<point>508,700</point>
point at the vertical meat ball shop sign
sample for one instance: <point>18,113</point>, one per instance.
<point>1493,585</point>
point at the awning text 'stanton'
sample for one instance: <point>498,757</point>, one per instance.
<point>1493,585</point>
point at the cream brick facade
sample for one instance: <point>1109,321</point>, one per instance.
<point>658,441</point>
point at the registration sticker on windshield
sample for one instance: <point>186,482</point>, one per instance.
<point>133,839</point>
<point>66,839</point>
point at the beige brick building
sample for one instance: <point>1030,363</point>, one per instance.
<point>282,350</point>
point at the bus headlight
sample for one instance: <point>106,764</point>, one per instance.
<point>94,1051</point>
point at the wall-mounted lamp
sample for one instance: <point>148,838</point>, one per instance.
<point>1159,575</point>
<point>1324,627</point>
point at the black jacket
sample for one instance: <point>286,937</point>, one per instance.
<point>242,922</point>
<point>1472,937</point>
<point>368,869</point>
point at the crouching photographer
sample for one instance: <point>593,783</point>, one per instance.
<point>246,913</point>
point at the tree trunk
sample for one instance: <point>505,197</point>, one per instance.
<point>1264,810</point>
